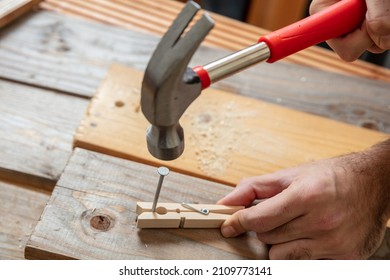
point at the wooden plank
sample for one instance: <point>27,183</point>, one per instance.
<point>358,101</point>
<point>228,137</point>
<point>96,186</point>
<point>275,14</point>
<point>20,209</point>
<point>36,128</point>
<point>156,16</point>
<point>13,9</point>
<point>59,60</point>
<point>66,54</point>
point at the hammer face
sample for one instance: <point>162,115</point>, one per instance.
<point>166,143</point>
<point>169,86</point>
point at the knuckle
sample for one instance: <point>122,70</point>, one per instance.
<point>379,29</point>
<point>313,8</point>
<point>379,25</point>
<point>246,183</point>
<point>327,222</point>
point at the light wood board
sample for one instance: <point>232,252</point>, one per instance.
<point>96,186</point>
<point>156,16</point>
<point>228,137</point>
<point>10,10</point>
<point>20,210</point>
<point>36,128</point>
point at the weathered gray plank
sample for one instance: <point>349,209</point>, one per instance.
<point>36,133</point>
<point>97,185</point>
<point>20,209</point>
<point>73,55</point>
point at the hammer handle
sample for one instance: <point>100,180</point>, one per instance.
<point>334,21</point>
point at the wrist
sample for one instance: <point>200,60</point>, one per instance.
<point>369,171</point>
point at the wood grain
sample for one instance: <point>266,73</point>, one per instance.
<point>36,128</point>
<point>20,210</point>
<point>228,137</point>
<point>69,55</point>
<point>62,53</point>
<point>156,16</point>
<point>96,185</point>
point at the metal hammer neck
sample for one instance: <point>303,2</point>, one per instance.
<point>237,61</point>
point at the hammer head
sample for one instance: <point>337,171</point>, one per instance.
<point>169,86</point>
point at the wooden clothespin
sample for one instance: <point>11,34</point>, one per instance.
<point>183,215</point>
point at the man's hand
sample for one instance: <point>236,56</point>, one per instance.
<point>331,209</point>
<point>373,35</point>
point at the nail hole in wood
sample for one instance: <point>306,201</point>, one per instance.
<point>119,103</point>
<point>370,125</point>
<point>100,222</point>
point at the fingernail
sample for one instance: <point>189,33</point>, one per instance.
<point>228,231</point>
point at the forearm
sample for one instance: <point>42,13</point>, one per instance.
<point>369,171</point>
<point>363,180</point>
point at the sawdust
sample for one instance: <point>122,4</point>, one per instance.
<point>217,133</point>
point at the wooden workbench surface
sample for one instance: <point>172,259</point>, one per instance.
<point>52,64</point>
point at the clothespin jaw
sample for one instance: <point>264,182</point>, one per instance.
<point>176,215</point>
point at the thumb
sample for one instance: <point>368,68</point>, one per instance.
<point>234,225</point>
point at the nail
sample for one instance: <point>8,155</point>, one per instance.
<point>163,171</point>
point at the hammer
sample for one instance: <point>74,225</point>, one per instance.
<point>169,86</point>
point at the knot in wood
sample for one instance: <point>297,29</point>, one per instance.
<point>100,222</point>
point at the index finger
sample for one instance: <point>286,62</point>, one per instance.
<point>258,187</point>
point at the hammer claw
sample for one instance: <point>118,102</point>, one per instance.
<point>179,25</point>
<point>195,35</point>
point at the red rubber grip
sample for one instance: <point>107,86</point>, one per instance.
<point>334,21</point>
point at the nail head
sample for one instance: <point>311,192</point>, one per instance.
<point>163,171</point>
